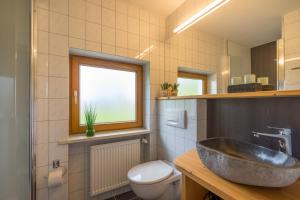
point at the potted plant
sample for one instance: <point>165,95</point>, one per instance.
<point>164,89</point>
<point>90,118</point>
<point>175,89</point>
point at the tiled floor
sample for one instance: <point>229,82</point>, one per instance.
<point>126,196</point>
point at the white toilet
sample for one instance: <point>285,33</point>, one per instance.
<point>155,180</point>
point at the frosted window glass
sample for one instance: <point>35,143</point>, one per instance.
<point>190,86</point>
<point>112,92</point>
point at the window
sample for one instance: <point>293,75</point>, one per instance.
<point>191,84</point>
<point>113,88</point>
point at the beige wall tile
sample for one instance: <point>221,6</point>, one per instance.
<point>42,65</point>
<point>109,49</point>
<point>108,36</point>
<point>154,19</point>
<point>41,90</point>
<point>58,152</point>
<point>97,2</point>
<point>76,182</point>
<point>58,87</point>
<point>121,6</point>
<point>58,23</point>
<point>144,44</point>
<point>42,194</point>
<point>133,11</point>
<point>58,66</point>
<point>78,163</point>
<point>77,8</point>
<point>108,18</point>
<point>41,177</point>
<point>133,53</point>
<point>93,32</point>
<point>42,155</point>
<point>133,25</point>
<point>121,51</point>
<point>133,42</point>
<point>154,32</point>
<point>144,15</point>
<point>42,42</point>
<point>41,109</point>
<point>42,19</point>
<point>76,28</point>
<point>93,13</point>
<point>58,130</point>
<point>42,4</point>
<point>111,4</point>
<point>144,29</point>
<point>76,43</point>
<point>58,109</point>
<point>121,39</point>
<point>77,195</point>
<point>93,46</point>
<point>60,6</point>
<point>41,130</point>
<point>58,45</point>
<point>121,22</point>
<point>59,193</point>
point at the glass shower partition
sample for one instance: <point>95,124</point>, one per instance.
<point>15,62</point>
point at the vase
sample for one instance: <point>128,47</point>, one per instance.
<point>90,132</point>
<point>163,93</point>
<point>169,93</point>
<point>174,92</point>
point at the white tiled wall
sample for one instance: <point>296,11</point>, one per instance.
<point>109,26</point>
<point>173,141</point>
<point>291,37</point>
<point>193,49</point>
<point>117,28</point>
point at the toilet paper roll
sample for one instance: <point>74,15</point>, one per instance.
<point>55,177</point>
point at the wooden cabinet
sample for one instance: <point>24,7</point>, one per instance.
<point>198,180</point>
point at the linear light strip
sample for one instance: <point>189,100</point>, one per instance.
<point>145,51</point>
<point>200,15</point>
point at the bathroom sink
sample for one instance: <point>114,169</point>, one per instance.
<point>247,163</point>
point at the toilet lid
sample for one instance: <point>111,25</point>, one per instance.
<point>150,172</point>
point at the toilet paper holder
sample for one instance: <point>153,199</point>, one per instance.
<point>55,165</point>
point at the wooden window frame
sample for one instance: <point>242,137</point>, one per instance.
<point>196,76</point>
<point>75,62</point>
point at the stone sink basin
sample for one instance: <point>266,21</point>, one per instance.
<point>247,163</point>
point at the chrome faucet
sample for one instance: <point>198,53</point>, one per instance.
<point>284,136</point>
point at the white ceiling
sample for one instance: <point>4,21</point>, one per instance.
<point>162,7</point>
<point>248,22</point>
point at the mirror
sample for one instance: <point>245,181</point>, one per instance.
<point>224,40</point>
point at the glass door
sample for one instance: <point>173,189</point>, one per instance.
<point>15,159</point>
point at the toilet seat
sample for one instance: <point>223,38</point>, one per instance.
<point>150,172</point>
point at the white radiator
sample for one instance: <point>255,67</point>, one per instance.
<point>110,163</point>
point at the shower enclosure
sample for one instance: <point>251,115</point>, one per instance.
<point>15,133</point>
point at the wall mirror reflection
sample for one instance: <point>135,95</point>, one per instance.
<point>235,43</point>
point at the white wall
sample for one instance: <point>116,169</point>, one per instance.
<point>105,26</point>
<point>173,141</point>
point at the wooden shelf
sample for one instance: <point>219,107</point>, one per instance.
<point>197,180</point>
<point>262,94</point>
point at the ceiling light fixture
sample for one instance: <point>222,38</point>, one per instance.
<point>200,15</point>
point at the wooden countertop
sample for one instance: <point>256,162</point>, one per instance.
<point>192,167</point>
<point>261,94</point>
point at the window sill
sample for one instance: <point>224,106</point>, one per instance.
<point>103,136</point>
